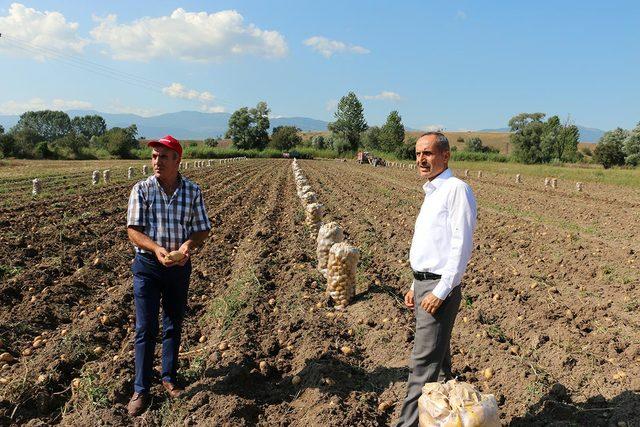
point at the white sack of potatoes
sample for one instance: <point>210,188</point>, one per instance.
<point>329,234</point>
<point>456,404</point>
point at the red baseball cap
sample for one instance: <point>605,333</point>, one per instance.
<point>169,142</point>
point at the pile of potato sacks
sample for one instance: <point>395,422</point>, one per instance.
<point>337,260</point>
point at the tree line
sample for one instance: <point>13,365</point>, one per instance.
<point>51,134</point>
<point>248,129</point>
<point>538,141</point>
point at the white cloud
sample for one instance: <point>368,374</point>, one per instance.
<point>189,36</point>
<point>36,104</point>
<point>384,95</point>
<point>212,109</point>
<point>29,32</point>
<point>461,15</point>
<point>177,90</point>
<point>328,48</point>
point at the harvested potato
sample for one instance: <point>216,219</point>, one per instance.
<point>6,358</point>
<point>175,256</point>
<point>488,373</point>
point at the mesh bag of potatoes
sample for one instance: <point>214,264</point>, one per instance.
<point>341,273</point>
<point>329,234</point>
<point>456,404</point>
<point>310,197</point>
<point>303,189</point>
<point>314,214</point>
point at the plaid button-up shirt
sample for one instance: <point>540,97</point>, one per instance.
<point>168,221</point>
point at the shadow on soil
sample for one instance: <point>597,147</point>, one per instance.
<point>326,373</point>
<point>556,409</point>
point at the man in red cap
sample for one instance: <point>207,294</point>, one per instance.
<point>166,221</point>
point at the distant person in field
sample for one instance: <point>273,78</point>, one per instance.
<point>166,213</point>
<point>440,250</point>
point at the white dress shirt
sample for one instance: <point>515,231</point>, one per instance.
<point>443,237</point>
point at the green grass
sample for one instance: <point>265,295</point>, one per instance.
<point>223,310</point>
<point>573,173</point>
<point>93,392</point>
<point>9,271</point>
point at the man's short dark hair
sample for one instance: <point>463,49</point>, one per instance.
<point>441,141</point>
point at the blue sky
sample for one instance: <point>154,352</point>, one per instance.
<point>454,64</point>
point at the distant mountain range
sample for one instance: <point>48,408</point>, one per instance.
<point>197,125</point>
<point>182,125</point>
<point>586,134</point>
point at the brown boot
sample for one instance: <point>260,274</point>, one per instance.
<point>138,404</point>
<point>173,389</point>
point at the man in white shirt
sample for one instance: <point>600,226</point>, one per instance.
<point>440,250</point>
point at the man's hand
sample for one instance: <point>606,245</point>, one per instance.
<point>408,299</point>
<point>431,304</point>
<point>162,254</point>
<point>186,250</point>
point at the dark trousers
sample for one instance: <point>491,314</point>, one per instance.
<point>154,284</point>
<point>431,355</point>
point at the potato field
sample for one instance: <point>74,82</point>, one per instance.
<point>548,323</point>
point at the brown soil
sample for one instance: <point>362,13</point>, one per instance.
<point>66,264</point>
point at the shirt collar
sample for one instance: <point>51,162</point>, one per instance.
<point>434,184</point>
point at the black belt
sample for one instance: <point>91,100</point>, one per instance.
<point>425,275</point>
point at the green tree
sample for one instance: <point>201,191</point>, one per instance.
<point>392,133</point>
<point>474,144</point>
<point>211,142</point>
<point>631,147</point>
<point>88,126</point>
<point>371,139</point>
<point>559,141</point>
<point>407,151</point>
<point>249,128</point>
<point>72,142</point>
<point>24,142</point>
<point>260,128</point>
<point>47,124</point>
<point>318,142</point>
<point>350,122</point>
<point>1,130</point>
<point>42,151</point>
<point>340,144</point>
<point>239,129</point>
<point>526,136</point>
<point>7,144</point>
<point>120,141</point>
<point>609,151</point>
<point>285,137</point>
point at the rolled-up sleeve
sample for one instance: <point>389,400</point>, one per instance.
<point>462,222</point>
<point>136,210</point>
<point>199,219</point>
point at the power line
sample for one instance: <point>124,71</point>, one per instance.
<point>93,67</point>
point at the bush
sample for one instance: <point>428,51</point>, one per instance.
<point>478,157</point>
<point>211,142</point>
<point>318,142</point>
<point>285,138</point>
<point>7,143</point>
<point>341,145</point>
<point>42,151</point>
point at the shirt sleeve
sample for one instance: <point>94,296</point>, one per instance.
<point>136,211</point>
<point>462,222</point>
<point>199,219</point>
